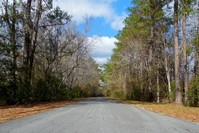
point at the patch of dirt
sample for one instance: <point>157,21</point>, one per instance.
<point>179,111</point>
<point>17,111</point>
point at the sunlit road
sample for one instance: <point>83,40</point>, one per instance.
<point>98,115</point>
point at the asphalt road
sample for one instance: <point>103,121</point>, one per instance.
<point>98,115</point>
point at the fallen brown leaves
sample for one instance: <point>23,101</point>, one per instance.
<point>18,111</point>
<point>179,111</point>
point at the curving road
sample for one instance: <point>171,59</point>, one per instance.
<point>98,115</point>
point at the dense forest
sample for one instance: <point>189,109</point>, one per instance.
<point>156,58</point>
<point>43,57</point>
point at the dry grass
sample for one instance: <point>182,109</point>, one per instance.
<point>12,112</point>
<point>179,111</point>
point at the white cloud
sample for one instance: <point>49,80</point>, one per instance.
<point>79,9</point>
<point>101,60</point>
<point>102,48</point>
<point>118,22</point>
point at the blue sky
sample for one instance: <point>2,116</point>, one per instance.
<point>106,20</point>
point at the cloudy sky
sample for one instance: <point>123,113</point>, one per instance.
<point>106,20</point>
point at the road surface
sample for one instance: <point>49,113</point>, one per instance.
<point>98,115</point>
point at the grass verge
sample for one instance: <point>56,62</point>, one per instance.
<point>17,111</point>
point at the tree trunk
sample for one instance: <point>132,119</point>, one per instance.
<point>31,31</point>
<point>167,69</point>
<point>11,22</point>
<point>168,75</point>
<point>158,87</point>
<point>178,94</point>
<point>150,63</point>
<point>27,42</point>
<point>14,47</point>
<point>185,76</point>
<point>196,66</point>
<point>141,76</point>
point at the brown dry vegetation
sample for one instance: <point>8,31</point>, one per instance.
<point>18,111</point>
<point>179,111</point>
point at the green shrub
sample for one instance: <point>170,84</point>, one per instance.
<point>193,93</point>
<point>77,92</point>
<point>134,92</point>
<point>25,93</point>
<point>50,88</point>
<point>118,93</point>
